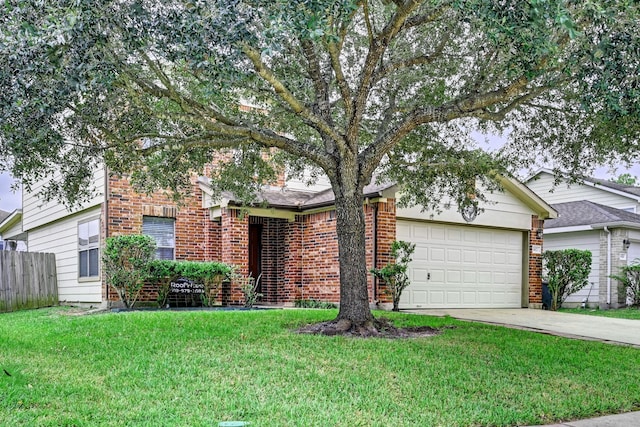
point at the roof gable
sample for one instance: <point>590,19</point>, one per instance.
<point>604,185</point>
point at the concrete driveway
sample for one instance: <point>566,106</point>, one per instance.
<point>617,331</point>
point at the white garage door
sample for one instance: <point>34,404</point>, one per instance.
<point>462,266</point>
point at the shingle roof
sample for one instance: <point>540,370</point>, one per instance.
<point>285,198</point>
<point>327,197</point>
<point>295,199</point>
<point>614,185</point>
<point>585,212</point>
<point>4,215</point>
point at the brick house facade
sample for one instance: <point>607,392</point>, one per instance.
<point>293,250</point>
<point>281,248</point>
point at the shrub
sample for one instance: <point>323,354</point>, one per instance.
<point>163,272</point>
<point>312,303</point>
<point>395,274</point>
<point>210,274</point>
<point>629,277</point>
<point>567,272</point>
<point>249,287</point>
<point>126,262</point>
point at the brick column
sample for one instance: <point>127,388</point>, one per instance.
<point>386,234</point>
<point>535,264</point>
<point>234,248</point>
<point>290,290</point>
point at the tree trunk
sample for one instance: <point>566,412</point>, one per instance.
<point>354,296</point>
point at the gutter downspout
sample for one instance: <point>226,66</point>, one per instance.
<point>608,265</point>
<point>105,224</point>
<point>375,251</point>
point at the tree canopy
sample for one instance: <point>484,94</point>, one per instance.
<point>156,88</point>
<point>626,179</point>
<point>398,83</point>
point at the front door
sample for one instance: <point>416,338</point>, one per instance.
<point>255,253</point>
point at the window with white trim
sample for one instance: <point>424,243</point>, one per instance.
<point>89,249</point>
<point>163,232</point>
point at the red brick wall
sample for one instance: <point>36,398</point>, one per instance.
<point>535,262</point>
<point>234,244</point>
<point>320,276</point>
<point>386,231</point>
<point>311,264</point>
<point>299,259</point>
<point>197,237</point>
<point>291,288</point>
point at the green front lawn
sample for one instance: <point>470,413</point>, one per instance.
<point>200,368</point>
<point>622,313</point>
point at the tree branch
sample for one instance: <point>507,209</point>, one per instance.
<point>319,82</point>
<point>377,48</point>
<point>416,21</point>
<point>298,107</point>
<point>474,106</point>
<point>411,62</point>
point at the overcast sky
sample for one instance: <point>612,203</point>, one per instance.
<point>9,201</point>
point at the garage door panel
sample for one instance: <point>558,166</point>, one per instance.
<point>436,275</point>
<point>514,258</point>
<point>437,297</point>
<point>453,297</point>
<point>467,266</point>
<point>499,257</point>
<point>484,237</point>
<point>454,235</point>
<point>454,277</point>
<point>470,256</point>
<point>403,232</point>
<point>437,254</point>
<point>484,257</point>
<point>421,253</point>
<point>469,277</point>
<point>435,233</point>
<point>454,255</point>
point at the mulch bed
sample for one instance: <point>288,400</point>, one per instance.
<point>381,328</point>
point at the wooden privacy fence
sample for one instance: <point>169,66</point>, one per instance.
<point>27,280</point>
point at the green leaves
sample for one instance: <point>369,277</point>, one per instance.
<point>153,88</point>
<point>629,277</point>
<point>394,274</point>
<point>126,262</point>
<point>567,272</point>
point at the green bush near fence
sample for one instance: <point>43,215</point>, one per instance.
<point>126,262</point>
<point>567,271</point>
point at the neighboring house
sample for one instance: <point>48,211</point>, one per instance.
<point>598,215</point>
<point>11,235</point>
<point>289,239</point>
<point>3,216</point>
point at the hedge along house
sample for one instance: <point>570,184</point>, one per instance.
<point>289,240</point>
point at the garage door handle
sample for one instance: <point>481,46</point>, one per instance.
<point>428,276</point>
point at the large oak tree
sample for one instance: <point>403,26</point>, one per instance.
<point>352,89</point>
